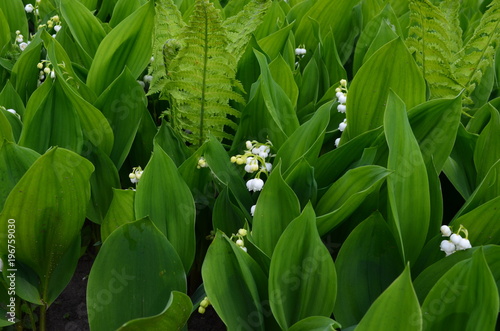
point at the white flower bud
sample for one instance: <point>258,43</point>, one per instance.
<point>255,184</point>
<point>46,70</point>
<point>1,265</point>
<point>269,167</point>
<point>342,126</point>
<point>447,247</point>
<point>300,51</point>
<point>147,78</point>
<point>141,83</point>
<point>248,145</point>
<point>342,99</point>
<point>255,151</point>
<point>57,28</point>
<point>446,231</point>
<point>341,108</point>
<point>339,93</point>
<point>244,248</point>
<point>19,38</point>
<point>242,232</point>
<point>240,243</point>
<point>12,111</point>
<point>23,46</point>
<point>248,168</point>
<point>464,244</point>
<point>52,74</point>
<point>455,238</point>
<point>343,82</point>
<point>29,8</point>
<point>337,142</point>
<point>252,210</point>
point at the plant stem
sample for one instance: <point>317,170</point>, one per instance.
<point>43,313</point>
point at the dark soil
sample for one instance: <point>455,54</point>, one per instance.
<point>69,311</point>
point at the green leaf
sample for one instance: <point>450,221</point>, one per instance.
<point>408,186</point>
<point>124,8</point>
<point>4,32</point>
<point>226,216</point>
<point>48,205</point>
<point>136,265</point>
<point>306,141</point>
<point>435,125</point>
<point>14,162</point>
<point>163,195</point>
<point>120,211</point>
<point>367,263</point>
<point>11,100</point>
<point>6,134</point>
<point>282,74</point>
<point>300,178</point>
<point>15,17</point>
<point>487,150</point>
<point>465,297</point>
<point>172,143</point>
<point>239,290</point>
<point>397,308</point>
<point>174,317</point>
<point>347,194</point>
<point>84,26</point>
<point>342,158</point>
<point>273,44</point>
<point>391,67</point>
<point>315,323</point>
<point>122,103</point>
<point>276,207</point>
<point>128,44</point>
<point>309,87</point>
<point>302,278</point>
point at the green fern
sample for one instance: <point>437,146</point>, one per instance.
<point>198,65</point>
<point>436,38</point>
<point>478,55</point>
<point>430,37</point>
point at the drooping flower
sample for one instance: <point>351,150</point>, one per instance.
<point>255,184</point>
<point>446,231</point>
<point>29,8</point>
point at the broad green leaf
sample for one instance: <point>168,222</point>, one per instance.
<point>459,168</point>
<point>485,231</point>
<point>237,291</point>
<point>342,158</point>
<point>48,205</point>
<point>306,141</point>
<point>120,211</point>
<point>163,195</point>
<point>385,34</point>
<point>102,182</point>
<point>276,207</point>
<point>487,150</point>
<point>465,297</point>
<point>15,16</point>
<point>408,186</point>
<point>128,44</point>
<point>122,103</point>
<point>124,8</point>
<point>50,109</point>
<point>84,26</point>
<point>331,59</point>
<point>428,278</point>
<point>6,132</point>
<point>174,317</point>
<point>270,21</point>
<point>300,178</point>
<point>273,43</point>
<point>309,87</point>
<point>435,124</point>
<point>315,323</point>
<point>397,308</point>
<point>138,266</point>
<point>391,67</point>
<point>11,100</point>
<point>226,216</point>
<point>14,162</point>
<point>302,278</point>
<point>347,194</point>
<point>172,143</point>
<point>282,74</point>
<point>341,23</point>
<point>5,36</point>
<point>367,263</point>
<point>25,73</point>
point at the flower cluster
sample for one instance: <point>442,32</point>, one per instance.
<point>240,240</point>
<point>135,175</point>
<point>46,70</point>
<point>456,242</point>
<point>341,94</point>
<point>255,161</point>
<point>201,163</point>
<point>203,305</point>
<point>20,41</point>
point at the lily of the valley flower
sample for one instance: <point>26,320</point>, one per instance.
<point>255,184</point>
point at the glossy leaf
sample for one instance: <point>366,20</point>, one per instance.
<point>226,216</point>
<point>10,99</point>
<point>282,74</point>
<point>391,67</point>
<point>14,162</point>
<point>239,292</point>
<point>172,143</point>
<point>174,317</point>
<point>487,150</point>
<point>300,178</point>
<point>48,205</point>
<point>84,26</point>
<point>315,323</point>
<point>397,308</point>
<point>306,141</point>
<point>128,44</point>
<point>276,207</point>
<point>120,211</point>
<point>465,297</point>
<point>15,16</point>
<point>136,265</point>
<point>163,195</point>
<point>367,263</point>
<point>346,194</point>
<point>302,278</point>
<point>6,133</point>
<point>408,186</point>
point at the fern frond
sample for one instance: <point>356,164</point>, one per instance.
<point>168,26</point>
<point>429,37</point>
<point>478,54</point>
<point>241,26</point>
<point>202,77</point>
<point>451,11</point>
